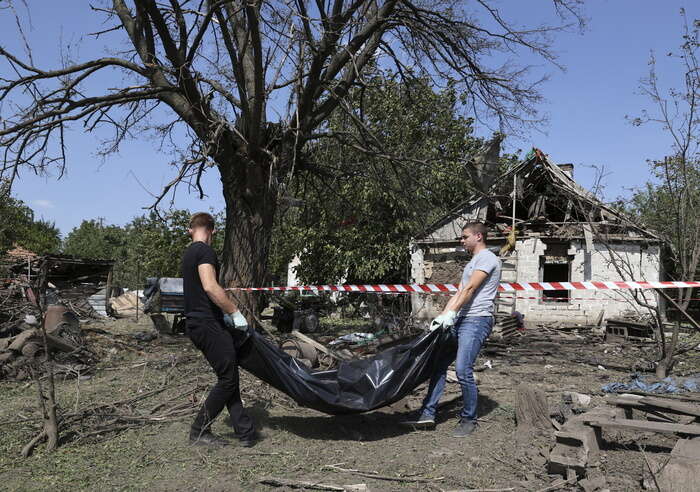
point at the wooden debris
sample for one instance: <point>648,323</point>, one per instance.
<point>578,445</point>
<point>531,410</point>
<point>19,341</point>
<point>650,403</point>
<point>298,484</point>
<point>645,426</point>
<point>301,350</point>
<point>320,347</point>
<point>382,477</point>
<point>683,469</point>
<point>593,484</point>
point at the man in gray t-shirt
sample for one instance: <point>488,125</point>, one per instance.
<point>472,326</point>
<point>481,301</point>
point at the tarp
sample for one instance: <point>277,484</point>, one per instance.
<point>667,385</point>
<point>355,386</point>
<point>125,305</point>
<point>164,295</point>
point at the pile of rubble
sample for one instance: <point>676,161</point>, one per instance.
<point>580,439</point>
<point>83,285</point>
<point>25,351</point>
<point>73,288</point>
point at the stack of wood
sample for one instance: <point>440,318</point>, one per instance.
<point>507,326</point>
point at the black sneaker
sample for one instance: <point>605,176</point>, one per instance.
<point>421,421</point>
<point>249,441</point>
<point>464,428</point>
<point>206,438</point>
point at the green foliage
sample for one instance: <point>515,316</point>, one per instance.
<point>18,226</point>
<point>361,206</point>
<point>668,205</point>
<point>92,239</point>
<point>148,246</point>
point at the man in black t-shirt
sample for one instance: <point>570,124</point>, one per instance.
<point>210,315</point>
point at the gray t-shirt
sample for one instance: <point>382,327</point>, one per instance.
<point>481,303</point>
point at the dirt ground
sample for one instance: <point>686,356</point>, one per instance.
<point>300,444</point>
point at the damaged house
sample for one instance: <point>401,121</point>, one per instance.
<point>547,229</point>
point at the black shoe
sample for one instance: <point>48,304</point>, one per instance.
<point>464,428</point>
<point>206,438</point>
<point>420,421</point>
<point>249,441</point>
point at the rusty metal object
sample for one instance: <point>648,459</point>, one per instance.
<point>54,316</point>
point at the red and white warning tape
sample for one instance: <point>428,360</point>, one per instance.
<point>503,287</point>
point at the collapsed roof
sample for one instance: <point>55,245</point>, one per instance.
<point>547,202</point>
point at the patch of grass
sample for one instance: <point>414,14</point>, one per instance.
<point>504,410</point>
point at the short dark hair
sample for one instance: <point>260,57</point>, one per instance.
<point>477,227</point>
<point>202,219</point>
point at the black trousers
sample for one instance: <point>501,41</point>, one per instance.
<point>216,343</point>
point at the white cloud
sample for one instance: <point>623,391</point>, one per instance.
<point>43,203</point>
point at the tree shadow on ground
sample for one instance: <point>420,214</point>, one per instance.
<point>372,426</point>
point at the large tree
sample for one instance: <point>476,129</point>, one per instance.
<point>253,84</point>
<point>360,211</point>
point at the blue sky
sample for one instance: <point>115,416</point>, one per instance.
<point>586,106</point>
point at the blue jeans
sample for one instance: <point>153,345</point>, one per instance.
<point>471,334</point>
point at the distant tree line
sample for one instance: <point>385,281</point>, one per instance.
<point>19,226</point>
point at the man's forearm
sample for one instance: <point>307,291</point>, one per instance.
<point>218,296</point>
<point>458,300</point>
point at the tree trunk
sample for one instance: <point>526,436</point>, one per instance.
<point>666,363</point>
<point>251,202</point>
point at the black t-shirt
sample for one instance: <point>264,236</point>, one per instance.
<point>197,302</point>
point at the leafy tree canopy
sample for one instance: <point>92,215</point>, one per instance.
<point>19,227</point>
<point>361,208</point>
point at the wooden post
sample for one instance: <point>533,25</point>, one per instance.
<point>108,289</point>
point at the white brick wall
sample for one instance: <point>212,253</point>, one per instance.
<point>597,266</point>
<point>644,262</point>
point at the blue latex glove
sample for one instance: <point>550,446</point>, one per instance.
<point>446,320</point>
<point>236,320</point>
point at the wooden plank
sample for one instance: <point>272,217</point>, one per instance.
<point>657,404</point>
<point>588,235</point>
<point>645,426</point>
<point>59,344</point>
<point>684,397</point>
<point>681,472</point>
<point>318,346</point>
<point>531,410</point>
<point>19,340</point>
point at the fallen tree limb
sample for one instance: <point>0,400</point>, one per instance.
<point>29,447</point>
<point>296,484</point>
<point>509,489</point>
<point>381,477</point>
<point>651,471</point>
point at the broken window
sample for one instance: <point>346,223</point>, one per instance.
<point>555,266</point>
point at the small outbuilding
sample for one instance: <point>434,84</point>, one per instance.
<point>546,228</point>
